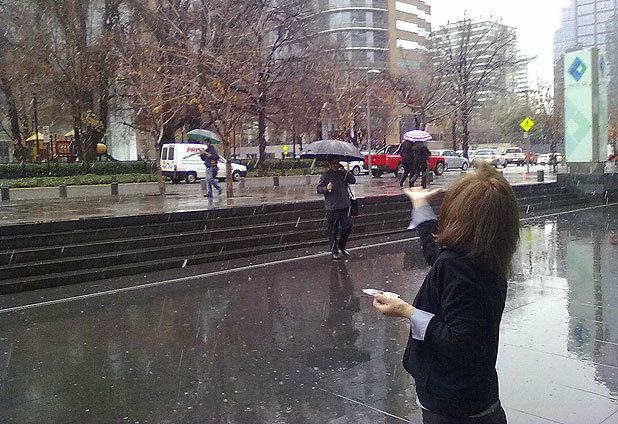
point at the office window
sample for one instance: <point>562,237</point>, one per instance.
<point>605,5</point>
<point>380,39</point>
<point>412,9</point>
<point>379,57</point>
<point>359,38</point>
<point>601,38</point>
<point>410,27</point>
<point>586,20</point>
<point>605,16</point>
<point>587,41</point>
<point>409,45</point>
<point>359,18</point>
<point>585,9</point>
<point>586,30</point>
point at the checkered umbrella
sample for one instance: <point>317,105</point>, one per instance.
<point>417,136</point>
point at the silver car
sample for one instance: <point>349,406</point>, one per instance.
<point>494,157</point>
<point>453,159</point>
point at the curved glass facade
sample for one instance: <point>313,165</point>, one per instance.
<point>357,26</point>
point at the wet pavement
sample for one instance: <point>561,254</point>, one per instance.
<point>292,342</point>
<point>43,204</point>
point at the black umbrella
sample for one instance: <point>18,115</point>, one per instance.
<point>321,150</point>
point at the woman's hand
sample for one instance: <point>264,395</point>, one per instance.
<point>421,197</point>
<point>392,306</point>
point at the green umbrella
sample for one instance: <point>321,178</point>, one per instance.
<point>204,135</point>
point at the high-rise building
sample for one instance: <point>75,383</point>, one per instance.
<point>510,79</point>
<point>377,34</point>
<point>585,23</point>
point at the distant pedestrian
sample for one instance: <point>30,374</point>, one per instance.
<point>211,161</point>
<point>455,317</point>
<point>421,156</point>
<point>334,186</point>
<point>407,161</point>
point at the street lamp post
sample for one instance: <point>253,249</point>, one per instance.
<point>370,71</point>
<point>36,128</point>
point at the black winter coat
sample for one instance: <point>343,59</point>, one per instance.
<point>421,155</point>
<point>455,366</point>
<point>407,153</point>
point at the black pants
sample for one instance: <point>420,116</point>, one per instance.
<point>419,173</point>
<point>408,170</point>
<point>496,417</point>
<point>336,220</point>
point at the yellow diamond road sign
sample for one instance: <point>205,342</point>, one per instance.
<point>527,124</point>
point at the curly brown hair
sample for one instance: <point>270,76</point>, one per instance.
<point>479,217</point>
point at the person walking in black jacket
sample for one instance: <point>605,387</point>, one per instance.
<point>421,155</point>
<point>211,161</point>
<point>334,186</point>
<point>407,161</point>
<point>455,317</point>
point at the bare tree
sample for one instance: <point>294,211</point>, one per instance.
<point>423,93</point>
<point>69,42</point>
<point>278,34</point>
<point>473,58</point>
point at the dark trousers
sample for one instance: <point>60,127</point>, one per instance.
<point>337,220</point>
<point>419,173</point>
<point>496,417</point>
<point>408,170</point>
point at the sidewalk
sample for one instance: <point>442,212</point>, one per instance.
<point>43,204</point>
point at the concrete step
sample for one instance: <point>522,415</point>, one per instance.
<point>113,229</point>
<point>21,284</point>
<point>58,252</point>
<point>183,250</point>
<point>107,247</point>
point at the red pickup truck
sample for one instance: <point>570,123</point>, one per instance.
<point>388,159</point>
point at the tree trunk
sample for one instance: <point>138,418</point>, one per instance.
<point>160,182</point>
<point>465,135</point>
<point>19,149</point>
<point>261,134</point>
<point>229,182</point>
<point>319,135</point>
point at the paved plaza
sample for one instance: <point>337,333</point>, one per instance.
<point>289,339</point>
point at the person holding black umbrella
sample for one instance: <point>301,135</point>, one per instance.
<point>334,186</point>
<point>211,161</point>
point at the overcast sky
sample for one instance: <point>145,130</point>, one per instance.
<point>536,22</point>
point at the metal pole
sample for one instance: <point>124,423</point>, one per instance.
<point>368,127</point>
<point>36,128</point>
<point>528,152</point>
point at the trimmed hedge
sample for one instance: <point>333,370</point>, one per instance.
<point>88,179</point>
<point>284,172</point>
<point>54,169</point>
<point>271,164</point>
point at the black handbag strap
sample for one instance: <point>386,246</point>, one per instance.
<point>350,191</point>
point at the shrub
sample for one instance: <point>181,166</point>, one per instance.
<point>55,169</point>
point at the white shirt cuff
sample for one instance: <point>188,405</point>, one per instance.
<point>420,215</point>
<point>419,321</point>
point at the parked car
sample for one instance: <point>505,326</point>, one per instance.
<point>494,157</point>
<point>545,158</point>
<point>181,161</point>
<point>515,155</point>
<point>388,159</point>
<point>355,167</point>
<point>453,159</point>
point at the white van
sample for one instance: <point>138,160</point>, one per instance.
<point>181,161</point>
